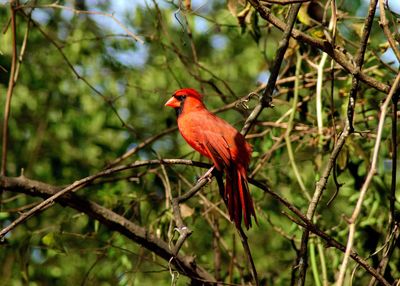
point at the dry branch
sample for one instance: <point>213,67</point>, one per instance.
<point>184,264</point>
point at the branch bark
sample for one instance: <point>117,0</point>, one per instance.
<point>184,264</point>
<point>10,89</point>
<point>334,52</point>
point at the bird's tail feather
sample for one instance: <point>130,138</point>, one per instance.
<point>237,197</point>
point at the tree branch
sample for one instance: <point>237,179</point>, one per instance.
<point>10,89</point>
<point>266,98</point>
<point>321,184</point>
<point>85,182</point>
<point>364,188</point>
<point>334,52</point>
<point>184,264</point>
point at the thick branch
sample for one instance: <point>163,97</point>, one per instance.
<point>138,234</point>
<point>85,182</point>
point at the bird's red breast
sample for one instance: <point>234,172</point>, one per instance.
<point>216,139</point>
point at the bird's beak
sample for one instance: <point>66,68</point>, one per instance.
<point>173,102</point>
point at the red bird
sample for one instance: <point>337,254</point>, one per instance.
<point>223,144</point>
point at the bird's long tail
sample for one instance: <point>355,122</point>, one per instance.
<point>237,197</point>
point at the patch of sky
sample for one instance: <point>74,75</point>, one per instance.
<point>124,113</point>
<point>143,155</point>
<point>262,77</point>
<point>143,3</point>
<point>136,58</point>
<point>121,86</point>
<point>387,165</point>
<point>79,69</point>
<point>219,42</point>
<point>162,145</point>
<point>392,5</point>
<point>42,16</point>
<point>37,256</point>
<point>202,6</point>
<point>63,32</point>
<point>119,9</point>
<point>201,25</point>
<point>390,58</point>
<point>67,14</point>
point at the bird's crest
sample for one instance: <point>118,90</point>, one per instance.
<point>188,92</point>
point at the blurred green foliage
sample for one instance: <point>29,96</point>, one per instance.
<point>61,130</point>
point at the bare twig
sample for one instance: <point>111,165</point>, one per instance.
<point>266,98</point>
<point>253,269</point>
<point>364,188</point>
<point>86,181</point>
<point>290,127</point>
<point>57,6</point>
<point>392,198</point>
<point>10,89</point>
<point>140,146</point>
<point>184,264</point>
<point>318,95</point>
<point>330,241</point>
<point>301,268</point>
<point>285,2</point>
<point>334,52</point>
<point>143,237</point>
<point>385,27</point>
<point>108,101</point>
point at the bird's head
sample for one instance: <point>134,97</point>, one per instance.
<point>185,99</point>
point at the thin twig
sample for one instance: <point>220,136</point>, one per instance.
<point>290,127</point>
<point>285,2</point>
<point>107,100</point>
<point>140,235</point>
<point>301,268</point>
<point>318,95</point>
<point>10,89</point>
<point>392,198</point>
<point>57,6</point>
<point>253,269</point>
<point>86,181</point>
<point>335,53</point>
<point>266,98</point>
<point>364,188</point>
<point>140,146</point>
<point>311,227</point>
<point>385,27</point>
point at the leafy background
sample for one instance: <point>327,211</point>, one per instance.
<point>87,92</point>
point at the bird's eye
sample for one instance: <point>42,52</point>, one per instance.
<point>180,97</point>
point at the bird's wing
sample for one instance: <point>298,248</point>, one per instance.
<point>217,138</point>
<point>218,149</point>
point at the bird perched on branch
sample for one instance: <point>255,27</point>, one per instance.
<point>216,139</point>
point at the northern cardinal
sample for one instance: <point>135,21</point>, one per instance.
<point>216,139</point>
